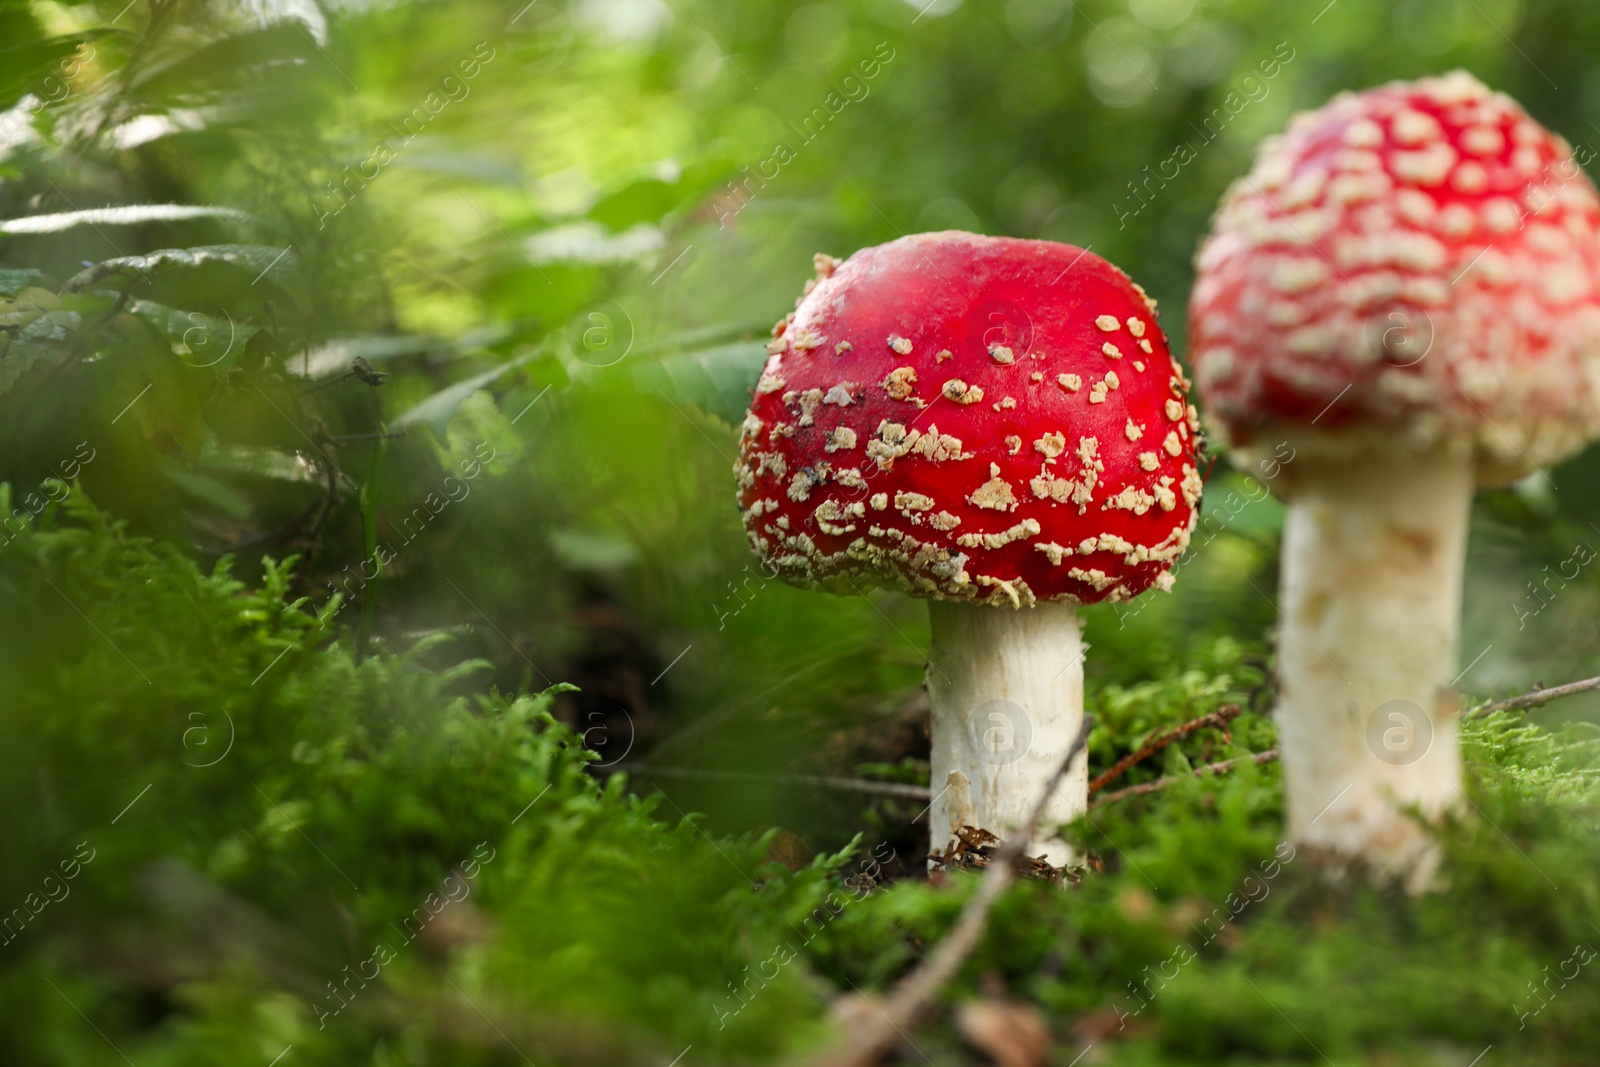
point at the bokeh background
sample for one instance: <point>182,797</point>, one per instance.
<point>455,306</point>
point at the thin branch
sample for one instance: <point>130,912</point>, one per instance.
<point>911,996</point>
<point>345,439</point>
<point>1161,783</point>
<point>1219,718</point>
<point>154,23</point>
<point>899,790</point>
<point>1532,699</point>
<point>359,368</point>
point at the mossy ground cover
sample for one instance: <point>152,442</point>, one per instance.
<point>380,861</point>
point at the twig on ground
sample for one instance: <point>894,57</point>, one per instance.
<point>1533,699</point>
<point>875,1034</point>
<point>1161,783</point>
<point>899,790</point>
<point>1219,718</point>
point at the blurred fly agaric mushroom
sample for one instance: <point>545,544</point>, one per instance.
<point>997,426</point>
<point>1405,291</point>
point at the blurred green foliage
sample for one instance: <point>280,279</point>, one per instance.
<point>553,236</point>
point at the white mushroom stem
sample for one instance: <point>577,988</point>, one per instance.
<point>1371,600</point>
<point>1006,690</point>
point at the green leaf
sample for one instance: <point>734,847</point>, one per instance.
<point>722,333</point>
<point>121,215</point>
<point>437,410</point>
<point>651,199</point>
<point>242,60</point>
<point>256,260</point>
<point>26,68</point>
<point>455,162</point>
<point>716,380</point>
<point>15,279</point>
<point>27,306</point>
<point>338,353</point>
<point>588,549</point>
<point>254,462</point>
<point>211,491</point>
<point>43,341</point>
<point>200,340</point>
<point>643,201</point>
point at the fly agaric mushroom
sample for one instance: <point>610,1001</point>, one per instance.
<point>1405,291</point>
<point>997,426</point>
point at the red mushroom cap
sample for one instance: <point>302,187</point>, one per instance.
<point>971,418</point>
<point>1419,259</point>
